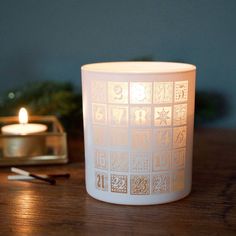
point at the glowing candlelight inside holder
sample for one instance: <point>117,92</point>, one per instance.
<point>26,142</point>
<point>138,128</point>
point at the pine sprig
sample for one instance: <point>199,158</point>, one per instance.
<point>45,98</point>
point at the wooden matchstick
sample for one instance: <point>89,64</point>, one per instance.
<point>26,173</point>
<point>23,177</point>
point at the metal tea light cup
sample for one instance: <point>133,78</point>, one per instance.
<point>24,146</point>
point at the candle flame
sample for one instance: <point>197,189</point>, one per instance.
<point>23,116</point>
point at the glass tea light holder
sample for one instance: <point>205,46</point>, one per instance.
<point>27,145</point>
<point>41,141</point>
<point>138,131</point>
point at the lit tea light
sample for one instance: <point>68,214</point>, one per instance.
<point>24,143</point>
<point>23,128</point>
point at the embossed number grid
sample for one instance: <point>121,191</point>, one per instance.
<point>149,118</point>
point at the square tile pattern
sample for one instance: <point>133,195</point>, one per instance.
<point>139,136</point>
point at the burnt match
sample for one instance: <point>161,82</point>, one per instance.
<point>23,177</point>
<point>39,177</point>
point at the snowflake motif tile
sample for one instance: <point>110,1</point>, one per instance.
<point>101,159</point>
<point>140,162</point>
<point>162,116</point>
<point>119,183</point>
<point>163,92</point>
<point>140,92</point>
<point>162,138</point>
<point>118,92</point>
<point>140,116</point>
<point>178,180</point>
<point>161,160</point>
<point>178,158</point>
<point>179,136</point>
<point>141,139</point>
<point>161,183</point>
<point>118,137</point>
<point>180,114</point>
<point>119,161</point>
<point>140,185</point>
<point>181,91</point>
<point>99,135</point>
<point>118,115</point>
<point>99,112</point>
<point>101,181</point>
<point>99,91</point>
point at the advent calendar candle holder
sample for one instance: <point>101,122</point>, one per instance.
<point>49,147</point>
<point>138,131</point>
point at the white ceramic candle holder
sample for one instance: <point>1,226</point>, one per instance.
<point>138,131</point>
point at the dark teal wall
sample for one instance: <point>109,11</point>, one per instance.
<point>51,39</point>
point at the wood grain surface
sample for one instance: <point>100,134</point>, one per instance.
<point>37,208</point>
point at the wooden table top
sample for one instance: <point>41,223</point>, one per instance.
<point>66,209</point>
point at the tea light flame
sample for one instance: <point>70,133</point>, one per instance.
<point>23,116</point>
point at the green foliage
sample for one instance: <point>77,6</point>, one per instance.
<point>45,98</point>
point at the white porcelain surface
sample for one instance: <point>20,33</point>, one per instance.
<point>138,130</point>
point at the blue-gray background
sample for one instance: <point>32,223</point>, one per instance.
<point>51,39</point>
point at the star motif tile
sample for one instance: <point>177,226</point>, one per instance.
<point>162,116</point>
